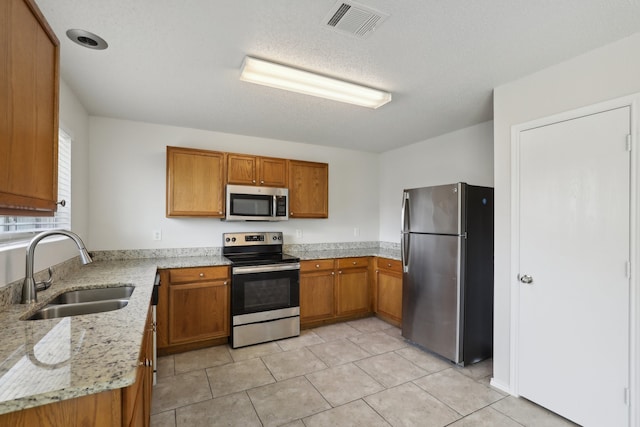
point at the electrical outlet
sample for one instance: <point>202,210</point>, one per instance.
<point>356,231</point>
<point>157,234</point>
<point>299,234</point>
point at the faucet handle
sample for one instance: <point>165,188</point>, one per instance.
<point>41,286</point>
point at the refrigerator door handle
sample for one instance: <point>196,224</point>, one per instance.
<point>404,236</point>
<point>403,212</point>
<point>404,253</point>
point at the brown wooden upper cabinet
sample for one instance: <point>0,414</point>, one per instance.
<point>29,74</point>
<point>245,169</point>
<point>195,182</point>
<point>308,189</point>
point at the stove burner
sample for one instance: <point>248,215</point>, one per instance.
<point>255,249</point>
<point>261,259</point>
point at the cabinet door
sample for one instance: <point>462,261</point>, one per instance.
<point>316,295</point>
<point>308,189</point>
<point>198,311</point>
<point>101,409</point>
<point>272,172</point>
<point>29,56</point>
<point>389,294</point>
<point>352,291</point>
<point>148,380</point>
<point>195,183</point>
<point>136,399</point>
<point>162,310</point>
<point>252,170</point>
<point>241,169</point>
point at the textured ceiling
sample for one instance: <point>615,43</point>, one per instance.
<point>177,62</point>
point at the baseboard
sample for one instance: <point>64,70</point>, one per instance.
<point>500,386</point>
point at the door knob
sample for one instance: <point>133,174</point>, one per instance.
<point>525,278</point>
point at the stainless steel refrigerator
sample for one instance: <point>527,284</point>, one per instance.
<point>447,256</point>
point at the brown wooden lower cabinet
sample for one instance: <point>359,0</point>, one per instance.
<point>317,289</point>
<point>193,308</point>
<point>388,290</point>
<point>352,286</point>
<point>100,409</point>
<point>332,290</point>
<point>344,288</point>
<point>136,399</point>
<point>130,406</point>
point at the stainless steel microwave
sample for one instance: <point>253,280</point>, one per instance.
<point>248,203</point>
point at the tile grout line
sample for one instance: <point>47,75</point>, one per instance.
<point>328,367</point>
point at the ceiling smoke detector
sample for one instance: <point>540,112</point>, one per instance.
<point>353,19</point>
<point>87,39</point>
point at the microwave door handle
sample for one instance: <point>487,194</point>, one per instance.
<point>274,208</point>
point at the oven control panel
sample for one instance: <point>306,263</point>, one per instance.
<point>251,239</point>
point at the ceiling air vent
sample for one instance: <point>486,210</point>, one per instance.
<point>354,19</point>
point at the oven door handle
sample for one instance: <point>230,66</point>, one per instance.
<point>265,268</point>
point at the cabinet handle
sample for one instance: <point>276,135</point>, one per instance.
<point>317,265</point>
<point>389,265</point>
<point>354,262</point>
<point>377,271</point>
<point>201,274</point>
<point>340,272</point>
<point>290,213</point>
<point>225,282</point>
<point>261,182</point>
<point>254,181</point>
<point>333,273</point>
<point>220,212</point>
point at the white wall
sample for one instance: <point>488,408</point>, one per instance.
<point>128,185</point>
<point>465,155</point>
<point>606,73</point>
<point>75,121</point>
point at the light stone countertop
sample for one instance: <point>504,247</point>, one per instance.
<point>45,361</point>
<point>346,253</point>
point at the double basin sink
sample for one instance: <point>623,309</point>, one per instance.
<point>85,301</point>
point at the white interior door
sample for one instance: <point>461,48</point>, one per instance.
<point>573,324</point>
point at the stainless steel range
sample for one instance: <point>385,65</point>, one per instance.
<point>265,288</point>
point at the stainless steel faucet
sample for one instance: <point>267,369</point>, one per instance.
<point>29,287</point>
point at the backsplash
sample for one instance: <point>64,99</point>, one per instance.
<point>314,247</point>
<point>154,253</point>
<point>11,293</point>
<point>217,251</point>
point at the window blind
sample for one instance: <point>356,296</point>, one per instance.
<point>20,227</point>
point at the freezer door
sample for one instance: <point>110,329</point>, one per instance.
<point>431,294</point>
<point>434,209</point>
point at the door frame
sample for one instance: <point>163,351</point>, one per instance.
<point>633,102</point>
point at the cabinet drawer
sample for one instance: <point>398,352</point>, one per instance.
<point>389,264</point>
<point>353,262</point>
<point>316,265</point>
<point>198,274</point>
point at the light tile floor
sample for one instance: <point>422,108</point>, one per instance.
<point>358,373</point>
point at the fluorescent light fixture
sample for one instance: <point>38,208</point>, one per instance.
<point>293,79</point>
